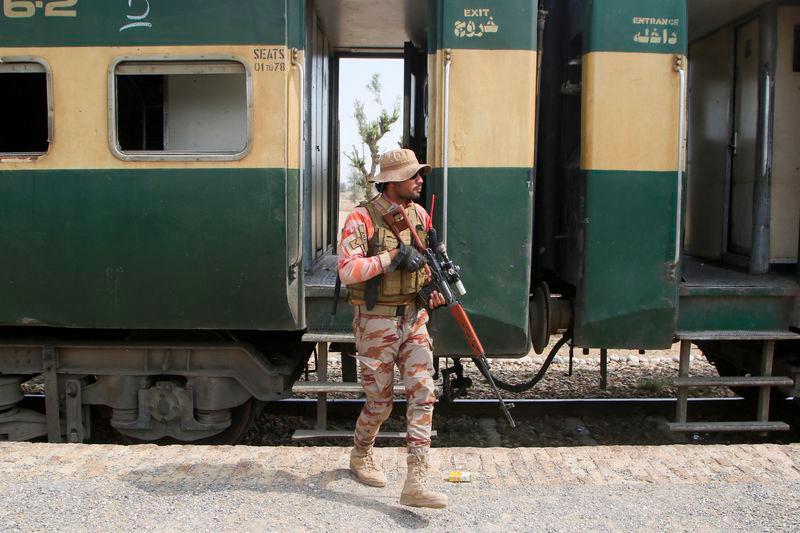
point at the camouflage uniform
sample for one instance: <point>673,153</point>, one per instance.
<point>383,341</point>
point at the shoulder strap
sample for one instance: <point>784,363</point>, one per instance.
<point>374,215</point>
<point>381,204</point>
<point>377,223</point>
<point>365,203</point>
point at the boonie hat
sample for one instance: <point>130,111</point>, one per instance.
<point>399,165</point>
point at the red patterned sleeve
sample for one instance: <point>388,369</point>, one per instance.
<point>354,265</point>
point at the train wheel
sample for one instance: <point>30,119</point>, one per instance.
<point>242,419</point>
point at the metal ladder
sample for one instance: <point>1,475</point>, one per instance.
<point>322,387</point>
<point>765,381</point>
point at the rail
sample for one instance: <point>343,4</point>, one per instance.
<point>448,59</point>
<point>765,125</point>
<point>296,261</point>
<point>681,70</point>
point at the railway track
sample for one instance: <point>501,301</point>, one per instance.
<point>478,422</point>
<point>541,422</point>
<point>523,408</point>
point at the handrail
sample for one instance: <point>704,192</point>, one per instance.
<point>679,67</point>
<point>448,59</point>
<point>765,125</point>
<point>298,64</point>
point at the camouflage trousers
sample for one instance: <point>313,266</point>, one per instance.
<point>383,342</point>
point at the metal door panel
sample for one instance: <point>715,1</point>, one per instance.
<point>745,127</point>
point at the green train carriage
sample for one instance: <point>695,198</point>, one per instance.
<point>167,194</point>
<point>665,194</point>
<point>151,231</point>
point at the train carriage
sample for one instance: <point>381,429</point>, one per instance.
<point>154,195</point>
<point>168,191</point>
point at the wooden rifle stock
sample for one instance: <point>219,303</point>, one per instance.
<point>457,310</point>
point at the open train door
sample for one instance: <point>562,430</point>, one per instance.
<point>482,105</point>
<point>632,160</point>
<point>415,106</point>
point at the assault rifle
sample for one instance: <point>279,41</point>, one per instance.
<point>445,273</point>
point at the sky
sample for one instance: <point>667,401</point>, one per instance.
<point>354,75</point>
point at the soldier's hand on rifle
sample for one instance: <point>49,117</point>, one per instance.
<point>436,300</point>
<point>407,258</point>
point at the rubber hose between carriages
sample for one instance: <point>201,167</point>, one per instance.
<point>522,387</point>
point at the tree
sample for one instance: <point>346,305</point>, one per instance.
<point>371,132</point>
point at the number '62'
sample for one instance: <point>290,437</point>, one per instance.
<point>27,8</point>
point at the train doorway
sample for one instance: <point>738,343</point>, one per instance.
<point>743,172</point>
<point>371,112</point>
<point>388,91</point>
<point>336,34</point>
<point>347,107</point>
<point>479,64</point>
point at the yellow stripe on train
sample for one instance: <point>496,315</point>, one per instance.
<point>491,110</point>
<point>630,112</point>
<point>80,81</point>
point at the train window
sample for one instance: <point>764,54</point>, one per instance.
<point>26,127</point>
<point>180,109</point>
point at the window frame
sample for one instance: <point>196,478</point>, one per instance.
<point>161,155</point>
<point>48,73</point>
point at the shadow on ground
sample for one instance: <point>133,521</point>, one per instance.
<point>178,479</point>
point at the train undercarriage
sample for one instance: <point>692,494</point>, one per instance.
<point>206,390</point>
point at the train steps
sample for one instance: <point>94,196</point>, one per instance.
<point>322,387</point>
<point>764,382</point>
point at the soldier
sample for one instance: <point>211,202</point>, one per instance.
<point>383,277</point>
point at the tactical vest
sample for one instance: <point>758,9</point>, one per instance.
<point>398,287</point>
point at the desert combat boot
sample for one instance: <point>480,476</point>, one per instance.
<point>416,492</point>
<point>364,467</point>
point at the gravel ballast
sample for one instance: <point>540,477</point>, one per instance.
<point>630,374</point>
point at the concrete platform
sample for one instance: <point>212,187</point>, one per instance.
<point>183,488</point>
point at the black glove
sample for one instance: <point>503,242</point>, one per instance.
<point>407,258</point>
